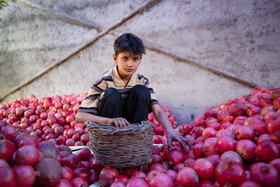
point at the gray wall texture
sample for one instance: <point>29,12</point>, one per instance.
<point>199,53</point>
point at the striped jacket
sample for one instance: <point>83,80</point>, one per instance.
<point>112,79</point>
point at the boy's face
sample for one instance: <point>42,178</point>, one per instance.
<point>127,63</point>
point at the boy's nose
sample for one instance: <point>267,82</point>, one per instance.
<point>129,63</point>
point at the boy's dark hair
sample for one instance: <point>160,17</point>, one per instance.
<point>129,42</point>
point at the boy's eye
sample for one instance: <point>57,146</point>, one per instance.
<point>125,58</point>
<point>136,59</point>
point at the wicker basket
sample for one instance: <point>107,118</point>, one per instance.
<point>121,147</point>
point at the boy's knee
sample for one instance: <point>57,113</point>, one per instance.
<point>140,89</point>
<point>111,95</point>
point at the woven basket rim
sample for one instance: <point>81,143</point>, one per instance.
<point>112,129</point>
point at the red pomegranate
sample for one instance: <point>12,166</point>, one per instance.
<point>229,172</point>
<point>267,151</point>
<point>225,143</point>
<point>136,182</point>
<point>245,132</point>
<point>187,177</point>
<point>108,175</point>
<point>210,146</point>
<point>246,149</point>
<point>27,155</point>
<point>264,174</point>
<point>161,180</point>
<point>7,149</point>
<point>8,177</point>
<point>204,168</point>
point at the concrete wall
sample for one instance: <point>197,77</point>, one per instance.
<point>199,53</point>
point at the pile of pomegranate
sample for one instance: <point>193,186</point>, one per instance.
<point>234,144</point>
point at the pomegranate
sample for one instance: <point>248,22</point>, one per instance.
<point>121,178</point>
<point>128,171</point>
<point>240,120</point>
<point>21,136</point>
<point>3,163</point>
<point>25,176</point>
<point>267,151</point>
<point>198,150</point>
<point>172,174</point>
<point>206,183</point>
<point>80,182</point>
<point>259,128</point>
<point>27,155</point>
<point>263,138</point>
<point>7,149</point>
<point>225,132</point>
<point>8,177</point>
<point>96,165</point>
<point>70,161</point>
<point>187,177</point>
<point>82,172</point>
<point>214,159</point>
<point>29,141</point>
<point>176,157</point>
<point>210,146</point>
<point>276,103</point>
<point>117,184</point>
<point>208,132</point>
<point>264,174</point>
<point>238,109</point>
<point>50,172</point>
<point>208,113</point>
<point>267,109</point>
<point>276,163</point>
<point>67,173</point>
<point>64,183</point>
<point>250,120</point>
<point>155,159</point>
<point>225,125</point>
<point>249,184</point>
<point>204,168</point>
<point>199,121</point>
<point>232,156</point>
<point>48,149</point>
<point>158,167</point>
<point>253,110</point>
<point>93,177</point>
<point>225,143</point>
<point>229,172</point>
<point>273,124</point>
<point>245,132</point>
<point>9,132</point>
<point>84,154</point>
<point>139,174</point>
<point>189,162</point>
<point>178,167</point>
<point>108,175</point>
<point>275,137</point>
<point>246,149</point>
<point>161,180</point>
<point>137,182</point>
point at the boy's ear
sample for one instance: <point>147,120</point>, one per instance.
<point>115,58</point>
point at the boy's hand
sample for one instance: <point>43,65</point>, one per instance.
<point>119,122</point>
<point>173,135</point>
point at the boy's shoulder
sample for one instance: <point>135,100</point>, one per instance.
<point>140,76</point>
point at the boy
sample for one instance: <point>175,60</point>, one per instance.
<point>121,96</point>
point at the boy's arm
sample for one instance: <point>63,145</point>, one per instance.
<point>162,118</point>
<point>82,117</point>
